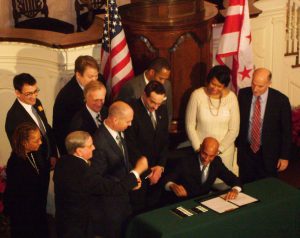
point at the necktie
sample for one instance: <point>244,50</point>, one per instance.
<point>256,126</point>
<point>98,119</point>
<point>203,174</point>
<point>39,120</point>
<point>153,120</point>
<point>122,148</point>
<point>42,129</point>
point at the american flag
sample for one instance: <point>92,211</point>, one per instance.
<point>116,66</point>
<point>235,48</point>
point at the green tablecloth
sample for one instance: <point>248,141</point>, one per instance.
<point>277,214</point>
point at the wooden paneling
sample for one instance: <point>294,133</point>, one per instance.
<point>180,31</point>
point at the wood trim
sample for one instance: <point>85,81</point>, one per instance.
<point>54,39</point>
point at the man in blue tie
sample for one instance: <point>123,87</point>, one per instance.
<point>195,175</point>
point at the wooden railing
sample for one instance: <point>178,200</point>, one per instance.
<point>54,39</point>
<point>293,31</point>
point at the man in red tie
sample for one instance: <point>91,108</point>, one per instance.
<point>264,139</point>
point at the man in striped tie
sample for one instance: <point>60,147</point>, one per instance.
<point>93,112</point>
<point>264,140</point>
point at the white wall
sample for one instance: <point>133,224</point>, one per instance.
<point>51,67</point>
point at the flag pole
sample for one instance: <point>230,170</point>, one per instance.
<point>108,24</point>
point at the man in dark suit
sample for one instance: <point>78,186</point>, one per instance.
<point>264,139</point>
<point>27,108</point>
<point>70,98</point>
<point>92,114</point>
<point>75,182</point>
<point>110,213</point>
<point>158,70</point>
<point>196,174</point>
<point>148,136</point>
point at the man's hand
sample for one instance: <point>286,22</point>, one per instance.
<point>179,190</point>
<point>232,194</point>
<point>141,165</point>
<point>139,185</point>
<point>52,162</point>
<point>156,174</point>
<point>282,164</point>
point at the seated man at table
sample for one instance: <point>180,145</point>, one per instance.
<point>196,174</point>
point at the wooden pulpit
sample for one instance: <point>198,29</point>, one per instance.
<point>179,30</point>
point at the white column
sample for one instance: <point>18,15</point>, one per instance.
<point>268,34</point>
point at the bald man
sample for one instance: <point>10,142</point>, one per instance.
<point>196,174</point>
<point>111,160</point>
<point>264,140</point>
<point>75,182</point>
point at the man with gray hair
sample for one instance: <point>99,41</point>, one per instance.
<point>70,98</point>
<point>75,182</point>
<point>92,114</point>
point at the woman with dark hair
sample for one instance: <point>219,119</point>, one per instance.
<point>24,198</point>
<point>213,111</point>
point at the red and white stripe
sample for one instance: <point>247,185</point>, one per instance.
<point>116,65</point>
<point>235,44</point>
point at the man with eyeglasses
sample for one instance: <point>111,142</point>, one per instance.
<point>148,136</point>
<point>195,175</point>
<point>28,108</point>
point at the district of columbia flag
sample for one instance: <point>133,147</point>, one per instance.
<point>116,65</point>
<point>235,48</point>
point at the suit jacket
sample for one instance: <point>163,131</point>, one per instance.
<point>84,121</point>
<point>73,194</point>
<point>17,115</point>
<point>276,128</point>
<point>110,212</point>
<point>143,139</point>
<point>134,88</point>
<point>188,174</point>
<point>68,101</point>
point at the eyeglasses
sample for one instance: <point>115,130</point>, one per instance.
<point>30,94</point>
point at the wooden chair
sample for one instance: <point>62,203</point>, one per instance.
<point>33,14</point>
<point>86,11</point>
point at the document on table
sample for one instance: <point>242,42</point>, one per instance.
<point>219,205</point>
<point>242,199</point>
